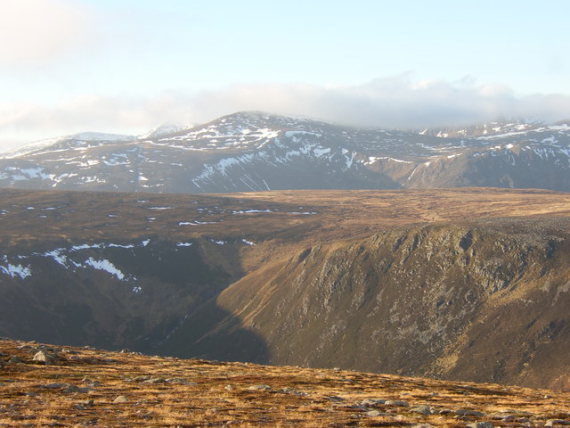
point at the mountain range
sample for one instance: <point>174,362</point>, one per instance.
<point>252,151</point>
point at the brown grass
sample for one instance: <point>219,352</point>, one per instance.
<point>170,392</point>
<point>339,213</point>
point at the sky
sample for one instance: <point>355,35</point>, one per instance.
<point>126,66</point>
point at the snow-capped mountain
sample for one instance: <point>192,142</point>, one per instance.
<point>256,151</point>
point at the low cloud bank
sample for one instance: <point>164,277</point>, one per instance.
<point>396,102</point>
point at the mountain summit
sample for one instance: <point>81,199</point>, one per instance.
<point>253,151</point>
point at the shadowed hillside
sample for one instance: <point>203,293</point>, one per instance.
<point>461,284</point>
<point>468,302</point>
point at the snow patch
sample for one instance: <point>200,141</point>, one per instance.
<point>57,256</point>
<point>302,212</point>
<point>195,223</point>
<point>321,151</point>
<point>14,271</point>
<point>121,246</point>
<point>105,265</point>
<point>252,211</point>
<point>86,246</point>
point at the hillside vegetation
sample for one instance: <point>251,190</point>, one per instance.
<point>52,386</point>
<point>468,284</point>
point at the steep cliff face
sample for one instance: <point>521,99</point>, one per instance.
<point>507,165</point>
<point>464,302</point>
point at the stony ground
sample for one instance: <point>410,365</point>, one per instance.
<point>49,386</point>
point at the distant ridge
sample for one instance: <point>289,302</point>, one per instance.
<point>256,151</point>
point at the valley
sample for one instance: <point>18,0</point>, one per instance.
<point>309,278</point>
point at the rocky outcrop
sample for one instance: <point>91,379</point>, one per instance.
<point>473,302</point>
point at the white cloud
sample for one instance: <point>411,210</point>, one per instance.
<point>396,102</point>
<point>33,32</point>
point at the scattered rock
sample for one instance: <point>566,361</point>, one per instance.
<point>73,389</point>
<point>121,399</point>
<point>180,381</point>
<point>56,385</point>
<point>481,425</point>
<point>43,358</point>
<point>259,388</point>
<point>24,347</point>
<point>155,380</point>
<point>229,388</point>
<point>175,380</point>
<point>374,413</point>
<point>293,392</point>
<point>468,412</point>
<point>15,360</point>
<point>371,402</point>
<point>141,378</point>
<point>83,404</point>
<point>505,417</point>
<point>398,403</point>
<point>335,398</point>
<point>554,422</point>
<point>423,410</point>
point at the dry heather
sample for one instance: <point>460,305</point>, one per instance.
<point>87,387</point>
<point>335,214</point>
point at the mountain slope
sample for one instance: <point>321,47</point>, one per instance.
<point>257,152</point>
<point>462,302</point>
<point>85,387</point>
<point>392,281</point>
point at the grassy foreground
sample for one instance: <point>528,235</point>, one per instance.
<point>53,386</point>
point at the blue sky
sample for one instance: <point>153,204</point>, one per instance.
<point>123,65</point>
